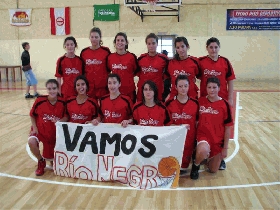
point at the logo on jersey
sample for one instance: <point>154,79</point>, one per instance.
<point>180,72</point>
<point>182,116</point>
<point>208,110</point>
<point>149,69</point>
<point>118,66</point>
<point>93,62</point>
<point>71,71</point>
<point>78,117</point>
<point>148,122</point>
<point>107,114</point>
<point>47,117</point>
<point>211,73</point>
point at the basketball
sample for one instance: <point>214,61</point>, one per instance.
<point>167,166</point>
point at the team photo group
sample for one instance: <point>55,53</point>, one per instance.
<point>98,86</point>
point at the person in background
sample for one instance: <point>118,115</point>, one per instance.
<point>68,67</point>
<point>29,75</point>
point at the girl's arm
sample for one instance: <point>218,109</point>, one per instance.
<point>230,92</point>
<point>226,140</point>
<point>59,84</point>
<point>34,126</point>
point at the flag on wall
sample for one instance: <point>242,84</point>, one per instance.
<point>20,17</point>
<point>108,12</point>
<point>60,21</point>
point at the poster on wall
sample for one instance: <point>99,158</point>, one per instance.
<point>60,21</point>
<point>20,17</point>
<point>108,12</point>
<point>253,19</point>
<point>142,157</point>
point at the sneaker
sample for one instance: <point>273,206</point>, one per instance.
<point>28,96</point>
<point>41,167</point>
<point>223,165</point>
<point>183,172</point>
<point>194,172</point>
<point>36,95</point>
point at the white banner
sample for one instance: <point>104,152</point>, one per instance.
<point>142,157</point>
<point>20,17</point>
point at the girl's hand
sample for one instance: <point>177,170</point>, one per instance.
<point>34,131</point>
<point>95,122</point>
<point>224,152</point>
<point>124,123</point>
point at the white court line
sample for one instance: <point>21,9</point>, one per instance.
<point>130,188</point>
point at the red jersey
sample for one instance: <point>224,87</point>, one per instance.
<point>157,115</point>
<point>151,68</point>
<point>44,112</point>
<point>221,69</point>
<point>69,69</point>
<point>186,113</point>
<point>213,117</point>
<point>81,113</point>
<point>125,66</point>
<point>96,67</point>
<point>116,110</point>
<point>189,67</point>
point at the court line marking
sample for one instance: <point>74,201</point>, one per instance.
<point>130,188</point>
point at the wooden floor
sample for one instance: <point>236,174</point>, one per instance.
<point>251,180</point>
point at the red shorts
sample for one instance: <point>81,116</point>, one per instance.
<point>215,148</point>
<point>188,152</point>
<point>48,145</point>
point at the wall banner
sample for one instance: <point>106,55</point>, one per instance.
<point>253,19</point>
<point>20,17</point>
<point>141,157</point>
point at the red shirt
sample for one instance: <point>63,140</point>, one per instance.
<point>221,68</point>
<point>190,67</point>
<point>44,112</point>
<point>81,113</point>
<point>157,115</point>
<point>152,68</point>
<point>69,69</point>
<point>186,113</point>
<point>96,66</point>
<point>125,66</point>
<point>213,117</point>
<point>116,110</point>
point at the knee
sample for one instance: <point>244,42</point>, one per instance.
<point>202,151</point>
<point>32,142</point>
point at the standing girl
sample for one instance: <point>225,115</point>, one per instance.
<point>95,58</point>
<point>125,64</point>
<point>116,107</point>
<point>152,66</point>
<point>213,129</point>
<point>182,63</point>
<point>44,112</point>
<point>68,67</point>
<point>184,110</point>
<point>150,111</point>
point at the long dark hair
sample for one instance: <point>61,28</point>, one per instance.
<point>153,87</point>
<point>180,39</point>
<point>213,80</point>
<point>54,81</point>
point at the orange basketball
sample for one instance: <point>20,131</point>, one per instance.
<point>167,166</point>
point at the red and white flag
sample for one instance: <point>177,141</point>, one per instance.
<point>60,21</point>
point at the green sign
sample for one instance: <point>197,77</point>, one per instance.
<point>108,12</point>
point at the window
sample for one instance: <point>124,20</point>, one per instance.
<point>166,42</point>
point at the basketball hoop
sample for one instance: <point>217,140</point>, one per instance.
<point>152,5</point>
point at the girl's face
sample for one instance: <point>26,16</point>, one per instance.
<point>120,43</point>
<point>94,39</point>
<point>181,49</point>
<point>81,87</point>
<point>52,90</point>
<point>152,45</point>
<point>113,85</point>
<point>212,89</point>
<point>182,87</point>
<point>213,49</point>
<point>148,92</point>
<point>70,46</point>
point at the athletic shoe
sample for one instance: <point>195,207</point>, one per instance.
<point>28,96</point>
<point>36,95</point>
<point>223,165</point>
<point>41,167</point>
<point>194,172</point>
<point>183,172</point>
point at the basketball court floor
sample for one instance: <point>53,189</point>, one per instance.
<point>251,180</point>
